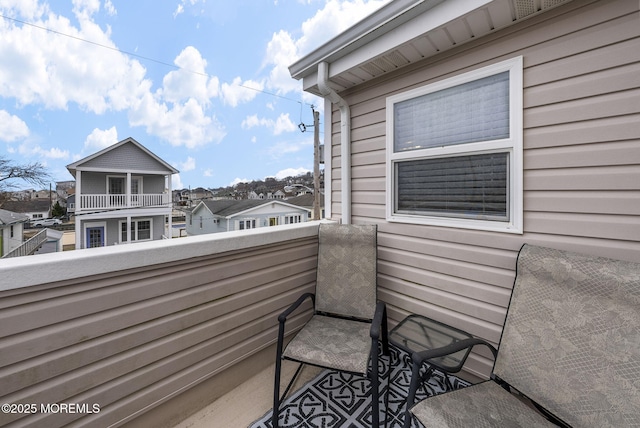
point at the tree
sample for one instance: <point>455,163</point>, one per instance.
<point>10,172</point>
<point>58,210</point>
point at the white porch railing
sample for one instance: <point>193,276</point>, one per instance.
<point>121,201</point>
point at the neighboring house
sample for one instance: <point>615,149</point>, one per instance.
<point>11,228</point>
<point>34,209</point>
<point>466,128</point>
<point>227,215</point>
<point>123,195</point>
<point>306,201</point>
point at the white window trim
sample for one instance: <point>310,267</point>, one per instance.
<point>512,145</point>
<point>252,220</point>
<point>134,238</point>
<point>109,177</point>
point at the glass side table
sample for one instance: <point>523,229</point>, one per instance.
<point>418,333</point>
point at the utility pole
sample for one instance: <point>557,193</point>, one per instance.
<point>316,164</point>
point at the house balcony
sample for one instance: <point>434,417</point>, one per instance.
<point>107,201</point>
<point>148,333</point>
<point>152,333</point>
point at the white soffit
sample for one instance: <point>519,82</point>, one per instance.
<point>416,32</point>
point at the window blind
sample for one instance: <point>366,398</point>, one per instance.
<point>472,186</point>
<point>470,112</point>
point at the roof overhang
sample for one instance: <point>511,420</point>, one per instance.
<point>406,31</point>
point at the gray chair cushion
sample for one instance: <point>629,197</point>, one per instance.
<point>571,340</point>
<point>483,405</point>
<point>346,282</point>
<point>332,342</point>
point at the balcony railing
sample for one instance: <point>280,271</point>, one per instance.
<point>120,333</point>
<point>123,201</point>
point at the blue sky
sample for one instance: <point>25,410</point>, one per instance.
<point>172,74</point>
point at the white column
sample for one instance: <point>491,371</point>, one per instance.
<point>170,197</point>
<point>78,209</point>
<point>128,192</point>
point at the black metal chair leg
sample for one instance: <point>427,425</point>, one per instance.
<point>413,388</point>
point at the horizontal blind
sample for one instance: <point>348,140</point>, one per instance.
<point>472,186</point>
<point>470,112</point>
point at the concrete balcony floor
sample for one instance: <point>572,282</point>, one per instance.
<point>249,401</point>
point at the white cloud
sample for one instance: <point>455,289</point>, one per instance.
<point>37,67</point>
<point>282,124</point>
<point>179,124</point>
<point>100,139</point>
<point>176,182</point>
<point>32,149</point>
<point>110,8</point>
<point>240,92</point>
<point>291,172</point>
<point>208,172</point>
<point>191,80</point>
<point>284,49</point>
<point>180,7</point>
<point>188,165</point>
<point>12,128</point>
<point>239,180</point>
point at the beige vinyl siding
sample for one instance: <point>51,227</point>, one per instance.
<point>131,339</point>
<point>581,164</point>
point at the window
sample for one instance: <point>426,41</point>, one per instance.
<point>141,230</point>
<point>454,151</point>
<point>292,218</point>
<point>247,224</point>
<point>117,185</point>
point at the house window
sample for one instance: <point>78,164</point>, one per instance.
<point>141,230</point>
<point>117,185</point>
<point>292,218</point>
<point>247,224</point>
<point>454,151</point>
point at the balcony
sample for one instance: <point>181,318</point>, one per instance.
<point>149,333</point>
<point>107,201</point>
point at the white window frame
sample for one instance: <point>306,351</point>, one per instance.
<point>251,221</point>
<point>134,232</point>
<point>511,145</point>
<point>292,218</point>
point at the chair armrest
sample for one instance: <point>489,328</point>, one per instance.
<point>283,316</point>
<point>420,357</point>
<point>378,318</point>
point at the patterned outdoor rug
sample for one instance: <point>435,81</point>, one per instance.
<point>340,400</point>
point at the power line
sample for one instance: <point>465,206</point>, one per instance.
<point>177,67</point>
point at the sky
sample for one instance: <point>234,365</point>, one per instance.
<point>203,84</point>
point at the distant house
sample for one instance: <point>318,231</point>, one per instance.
<point>306,201</point>
<point>11,227</point>
<point>123,195</point>
<point>34,209</point>
<point>228,215</point>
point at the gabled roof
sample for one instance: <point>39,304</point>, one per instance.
<point>166,168</point>
<point>305,200</point>
<point>9,217</point>
<point>228,208</point>
<point>406,31</point>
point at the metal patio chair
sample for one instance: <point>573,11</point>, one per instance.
<point>347,322</point>
<point>569,346</point>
